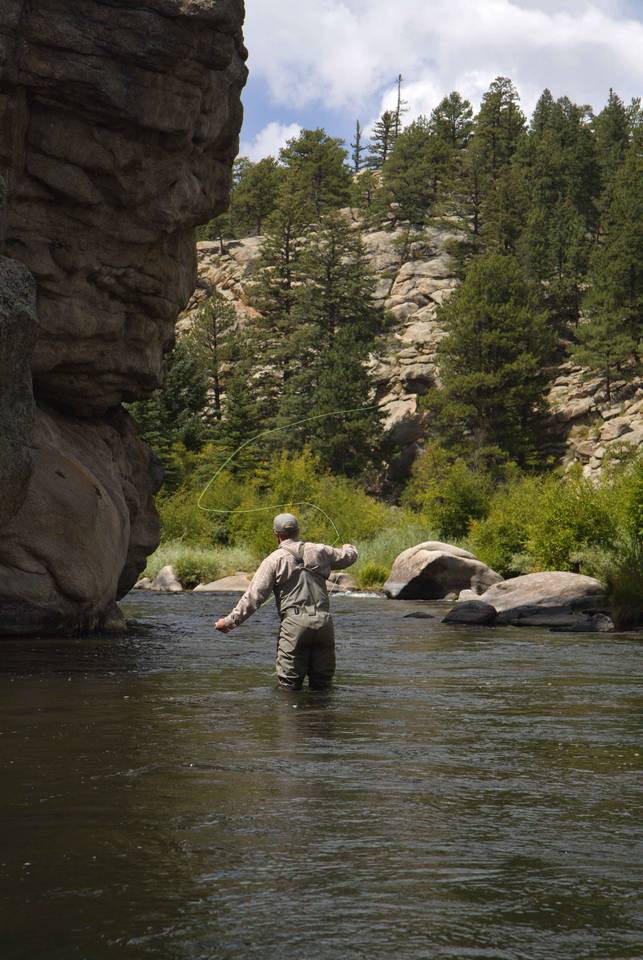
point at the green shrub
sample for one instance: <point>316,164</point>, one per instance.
<point>449,493</point>
<point>500,539</point>
<point>620,568</point>
<point>194,565</point>
<point>571,514</point>
<point>372,575</point>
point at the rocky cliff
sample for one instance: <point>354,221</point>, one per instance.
<point>118,127</point>
<point>412,281</point>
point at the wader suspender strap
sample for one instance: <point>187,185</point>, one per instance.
<point>298,557</point>
<point>310,591</point>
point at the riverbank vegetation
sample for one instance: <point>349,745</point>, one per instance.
<point>545,220</point>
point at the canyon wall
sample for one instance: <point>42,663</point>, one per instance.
<point>411,284</point>
<point>119,124</point>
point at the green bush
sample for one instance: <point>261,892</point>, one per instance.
<point>449,493</point>
<point>500,539</point>
<point>372,575</point>
<point>571,515</point>
<point>194,565</point>
<point>330,509</point>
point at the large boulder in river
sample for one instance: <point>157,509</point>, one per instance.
<point>545,599</point>
<point>432,570</point>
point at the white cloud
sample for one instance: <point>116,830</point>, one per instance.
<point>342,53</point>
<point>269,140</point>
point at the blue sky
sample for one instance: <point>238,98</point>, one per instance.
<point>327,62</point>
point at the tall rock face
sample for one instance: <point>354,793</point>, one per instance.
<point>119,123</point>
<point>412,280</point>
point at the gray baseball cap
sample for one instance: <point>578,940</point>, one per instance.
<point>286,523</point>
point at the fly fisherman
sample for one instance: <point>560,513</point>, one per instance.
<point>297,573</point>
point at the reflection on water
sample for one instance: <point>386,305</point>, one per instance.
<point>461,793</point>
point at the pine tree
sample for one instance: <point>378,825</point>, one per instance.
<point>499,124</point>
<point>349,444</point>
<point>413,171</point>
<point>542,113</point>
<point>274,291</point>
<point>256,195</point>
<point>318,170</point>
<point>504,210</point>
<point>246,405</point>
<point>612,134</point>
<point>358,148</point>
<point>210,341</point>
<point>382,140</point>
<point>452,121</point>
<point>468,188</point>
<point>401,107</point>
<point>176,413</point>
<point>614,302</point>
<point>491,364</point>
<point>339,289</point>
<point>366,195</point>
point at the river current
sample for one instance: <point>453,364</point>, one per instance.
<point>461,792</point>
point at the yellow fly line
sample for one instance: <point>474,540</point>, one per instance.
<point>278,506</point>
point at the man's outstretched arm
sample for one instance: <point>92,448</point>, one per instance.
<point>342,557</point>
<point>262,585</point>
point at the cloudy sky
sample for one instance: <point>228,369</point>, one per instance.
<point>327,62</point>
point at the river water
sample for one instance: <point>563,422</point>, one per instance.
<point>461,793</point>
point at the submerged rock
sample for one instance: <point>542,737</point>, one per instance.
<point>432,570</point>
<point>472,611</point>
<point>544,599</point>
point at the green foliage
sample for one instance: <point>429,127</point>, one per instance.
<point>382,140</point>
<point>570,516</point>
<point>452,121</point>
<point>413,170</point>
<point>553,523</point>
<point>499,124</point>
<point>317,169</point>
<point>372,576</point>
<point>491,364</point>
<point>500,538</point>
<point>448,492</point>
<point>256,195</point>
<point>194,565</point>
<point>614,302</point>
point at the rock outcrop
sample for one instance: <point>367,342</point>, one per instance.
<point>433,570</point>
<point>412,280</point>
<point>118,127</point>
<point>17,339</point>
<point>596,428</point>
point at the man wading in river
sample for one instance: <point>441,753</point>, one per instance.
<point>297,573</point>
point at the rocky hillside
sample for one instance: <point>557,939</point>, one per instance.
<point>119,127</point>
<point>411,284</point>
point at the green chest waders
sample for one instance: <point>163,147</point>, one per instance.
<point>306,636</point>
